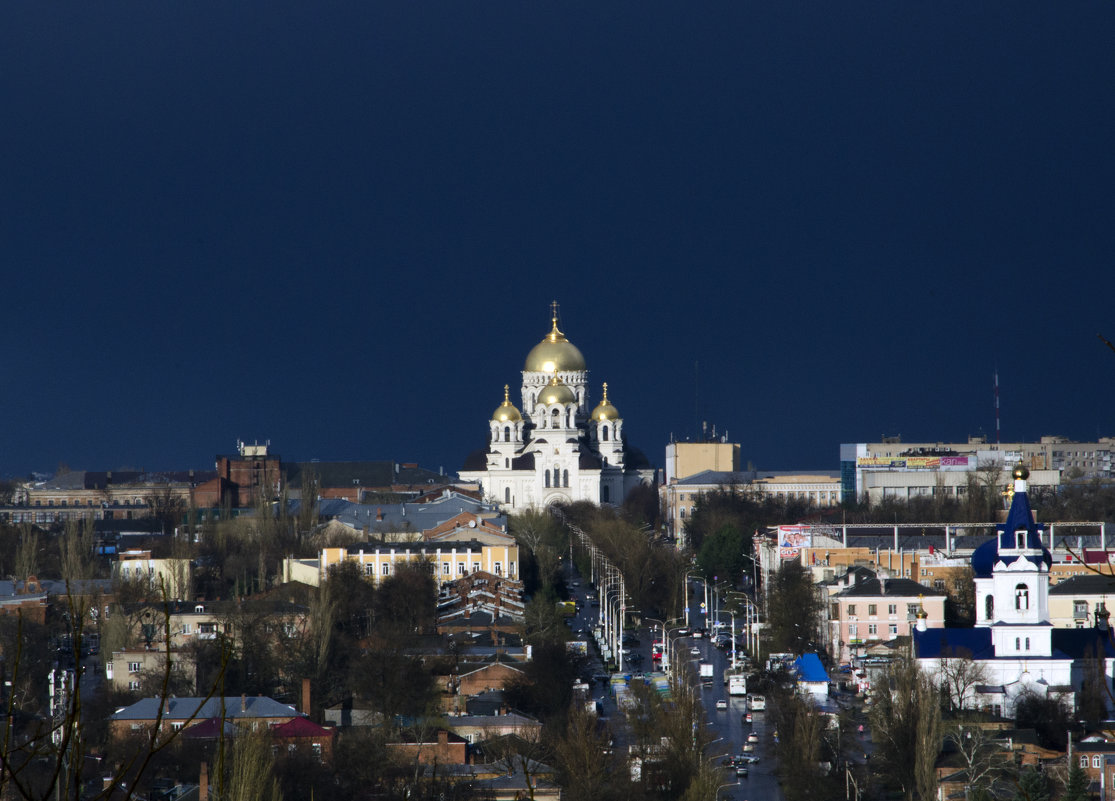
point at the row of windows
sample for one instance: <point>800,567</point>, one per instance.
<point>892,609</point>
<point>872,630</point>
<point>446,568</point>
<point>89,502</point>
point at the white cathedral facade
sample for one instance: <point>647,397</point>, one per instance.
<point>555,450</point>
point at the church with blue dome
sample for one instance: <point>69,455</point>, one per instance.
<point>1013,640</point>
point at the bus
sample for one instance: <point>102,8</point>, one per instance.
<point>758,703</point>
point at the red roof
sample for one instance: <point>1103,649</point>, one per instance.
<point>300,727</point>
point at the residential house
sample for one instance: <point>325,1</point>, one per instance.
<point>173,714</point>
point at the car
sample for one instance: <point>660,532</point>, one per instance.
<point>751,760</point>
<point>682,632</point>
<point>721,704</point>
<point>752,738</point>
<point>747,717</point>
<point>695,651</point>
<point>748,748</point>
<point>741,771</point>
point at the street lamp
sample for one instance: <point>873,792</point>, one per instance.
<point>721,787</point>
<point>703,582</point>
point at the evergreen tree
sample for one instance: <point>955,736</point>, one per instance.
<point>1033,785</point>
<point>1076,788</point>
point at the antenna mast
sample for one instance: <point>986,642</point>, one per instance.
<point>997,437</point>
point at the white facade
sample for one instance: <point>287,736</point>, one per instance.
<point>555,450</point>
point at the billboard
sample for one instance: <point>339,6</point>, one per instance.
<point>791,539</point>
<point>915,463</point>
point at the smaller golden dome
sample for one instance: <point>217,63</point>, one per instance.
<point>556,392</point>
<point>506,411</point>
<point>605,410</point>
<point>1021,472</point>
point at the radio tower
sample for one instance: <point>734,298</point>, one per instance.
<point>997,439</point>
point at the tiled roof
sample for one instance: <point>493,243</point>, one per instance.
<point>201,708</point>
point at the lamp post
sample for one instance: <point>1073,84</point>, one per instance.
<point>721,787</point>
<point>703,582</point>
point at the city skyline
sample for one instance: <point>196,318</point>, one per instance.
<point>340,228</point>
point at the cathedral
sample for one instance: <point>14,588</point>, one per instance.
<point>555,450</point>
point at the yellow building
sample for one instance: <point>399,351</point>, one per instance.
<point>449,559</point>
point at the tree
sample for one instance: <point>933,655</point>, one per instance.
<point>27,557</point>
<point>793,610</point>
<point>723,554</point>
<point>1091,702</point>
<point>983,761</point>
<point>582,751</point>
<point>1046,715</point>
<point>544,539</point>
<point>906,728</point>
<point>959,674</point>
<point>1033,785</point>
<point>1076,786</point>
<point>168,506</point>
<point>252,772</point>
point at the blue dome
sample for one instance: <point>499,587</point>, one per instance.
<point>1019,517</point>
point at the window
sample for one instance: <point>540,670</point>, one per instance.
<point>445,568</point>
<point>1021,598</point>
<point>1018,643</point>
<point>386,569</point>
<point>894,629</point>
<point>892,609</point>
<point>460,568</point>
<point>1020,538</point>
<point>989,607</point>
<point>475,567</point>
<point>507,433</point>
<point>852,630</point>
<point>912,611</point>
<point>872,630</point>
<point>499,568</point>
<point>871,610</point>
<point>507,495</point>
<point>134,685</point>
<point>938,584</point>
<point>851,609</point>
<point>681,513</point>
<point>1083,761</point>
<point>1097,761</point>
<point>185,628</point>
<point>176,726</point>
<point>565,478</point>
<point>206,628</point>
<point>133,667</point>
<point>604,431</point>
<point>369,569</point>
<point>547,478</point>
<point>1027,643</point>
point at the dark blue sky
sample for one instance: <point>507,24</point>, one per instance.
<point>338,225</point>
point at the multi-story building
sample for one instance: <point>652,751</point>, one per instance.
<point>865,609</point>
<point>103,495</point>
<point>816,488</point>
<point>897,469</point>
<point>171,577</point>
<point>684,459</point>
<point>129,668</point>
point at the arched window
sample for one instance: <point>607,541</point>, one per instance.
<point>569,419</point>
<point>556,415</point>
<point>989,607</point>
<point>604,432</point>
<point>506,462</point>
<point>1021,597</point>
<point>1017,643</point>
<point>557,477</point>
<point>507,495</point>
<point>507,433</point>
<point>565,479</point>
<point>547,478</point>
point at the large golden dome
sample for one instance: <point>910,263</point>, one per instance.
<point>554,354</point>
<point>506,411</point>
<point>556,392</point>
<point>605,410</point>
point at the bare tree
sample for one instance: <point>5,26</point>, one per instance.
<point>983,759</point>
<point>960,674</point>
<point>905,725</point>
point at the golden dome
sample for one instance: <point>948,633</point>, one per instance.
<point>1021,472</point>
<point>506,411</point>
<point>605,410</point>
<point>555,353</point>
<point>556,392</point>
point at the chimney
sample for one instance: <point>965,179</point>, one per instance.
<point>379,513</point>
<point>442,746</point>
<point>306,697</point>
<point>203,783</point>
